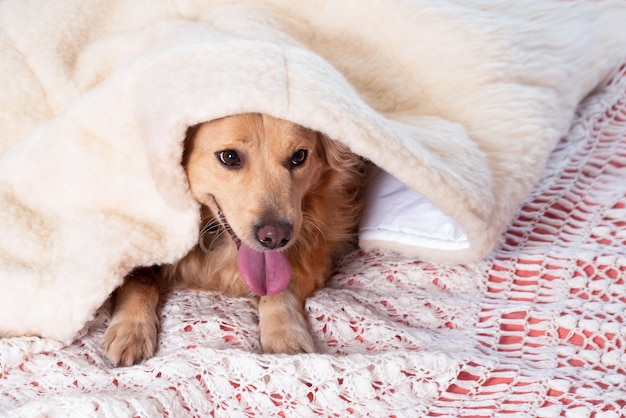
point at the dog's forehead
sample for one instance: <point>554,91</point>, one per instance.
<point>255,130</point>
<point>285,134</point>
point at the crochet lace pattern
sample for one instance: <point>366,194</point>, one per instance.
<point>537,329</point>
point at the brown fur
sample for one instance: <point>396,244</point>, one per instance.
<point>320,198</point>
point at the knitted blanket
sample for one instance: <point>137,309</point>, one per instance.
<point>462,104</point>
<point>536,329</point>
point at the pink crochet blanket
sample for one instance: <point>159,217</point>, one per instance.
<point>535,329</point>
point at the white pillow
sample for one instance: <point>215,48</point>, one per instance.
<point>394,212</point>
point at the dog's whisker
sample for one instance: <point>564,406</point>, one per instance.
<point>215,239</point>
<point>213,229</point>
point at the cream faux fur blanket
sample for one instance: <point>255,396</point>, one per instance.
<point>460,102</point>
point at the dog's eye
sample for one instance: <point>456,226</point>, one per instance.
<point>229,158</point>
<point>299,157</point>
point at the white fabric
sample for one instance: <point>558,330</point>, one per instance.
<point>395,212</point>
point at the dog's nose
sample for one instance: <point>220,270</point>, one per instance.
<point>274,235</point>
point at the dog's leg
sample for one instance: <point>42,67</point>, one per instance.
<point>132,334</point>
<point>283,328</point>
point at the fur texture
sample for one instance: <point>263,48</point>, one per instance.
<point>262,171</point>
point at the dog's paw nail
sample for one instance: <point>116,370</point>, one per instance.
<point>285,340</point>
<point>126,344</point>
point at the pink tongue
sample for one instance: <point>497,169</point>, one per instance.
<point>265,272</point>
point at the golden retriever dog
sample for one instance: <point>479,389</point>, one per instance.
<point>279,203</point>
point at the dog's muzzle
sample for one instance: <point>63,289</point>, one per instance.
<point>264,272</point>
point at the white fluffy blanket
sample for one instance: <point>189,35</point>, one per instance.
<point>461,103</point>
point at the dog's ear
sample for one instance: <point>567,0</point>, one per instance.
<point>336,155</point>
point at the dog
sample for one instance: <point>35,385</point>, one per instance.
<point>279,203</point>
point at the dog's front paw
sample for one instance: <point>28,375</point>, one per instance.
<point>127,342</point>
<point>286,335</point>
<point>283,327</point>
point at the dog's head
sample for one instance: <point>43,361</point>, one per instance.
<point>254,171</point>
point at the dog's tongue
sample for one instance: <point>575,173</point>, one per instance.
<point>265,272</point>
